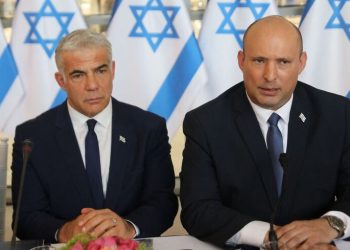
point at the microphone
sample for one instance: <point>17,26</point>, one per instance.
<point>27,147</point>
<point>283,159</point>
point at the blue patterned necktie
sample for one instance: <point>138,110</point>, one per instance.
<point>275,148</point>
<point>93,165</point>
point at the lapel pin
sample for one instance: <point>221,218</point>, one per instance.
<point>122,139</point>
<point>302,117</point>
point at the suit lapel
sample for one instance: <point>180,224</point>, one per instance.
<point>121,143</point>
<point>69,149</point>
<point>300,122</point>
<point>249,128</point>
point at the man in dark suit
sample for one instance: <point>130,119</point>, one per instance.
<point>229,180</point>
<point>133,192</point>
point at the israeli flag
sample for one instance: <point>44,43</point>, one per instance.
<point>159,66</point>
<point>221,37</point>
<point>38,26</point>
<point>11,89</point>
<point>325,27</point>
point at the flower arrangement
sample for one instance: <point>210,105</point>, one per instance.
<point>87,242</point>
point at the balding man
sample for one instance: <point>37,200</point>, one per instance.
<point>232,176</point>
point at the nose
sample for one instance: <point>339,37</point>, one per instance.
<point>270,72</point>
<point>91,83</point>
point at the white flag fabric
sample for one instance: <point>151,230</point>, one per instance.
<point>159,66</point>
<point>37,28</point>
<point>221,37</point>
<point>325,28</point>
<point>11,89</point>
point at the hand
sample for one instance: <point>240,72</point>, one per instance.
<point>105,222</point>
<point>307,234</point>
<point>69,229</point>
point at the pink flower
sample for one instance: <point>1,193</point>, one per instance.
<point>77,246</point>
<point>106,243</point>
<point>126,244</point>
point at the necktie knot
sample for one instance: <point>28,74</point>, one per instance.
<point>273,120</point>
<point>91,124</point>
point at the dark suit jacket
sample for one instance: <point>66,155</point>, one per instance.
<point>141,177</point>
<point>227,178</point>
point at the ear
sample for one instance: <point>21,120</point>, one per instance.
<point>302,59</point>
<point>60,79</point>
<point>240,59</point>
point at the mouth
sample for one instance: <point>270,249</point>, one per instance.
<point>269,91</point>
<point>94,100</point>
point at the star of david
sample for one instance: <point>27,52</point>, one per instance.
<point>228,27</point>
<point>337,21</point>
<point>154,38</point>
<point>35,35</point>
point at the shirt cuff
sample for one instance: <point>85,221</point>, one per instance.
<point>345,218</point>
<point>137,230</point>
<point>56,234</point>
<point>252,234</point>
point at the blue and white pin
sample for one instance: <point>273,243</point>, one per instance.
<point>302,117</point>
<point>122,139</point>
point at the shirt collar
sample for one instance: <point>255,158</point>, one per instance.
<point>263,114</point>
<point>103,118</point>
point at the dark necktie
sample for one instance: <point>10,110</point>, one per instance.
<point>93,165</point>
<point>275,148</point>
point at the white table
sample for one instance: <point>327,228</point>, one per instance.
<point>175,243</point>
<point>342,245</point>
<point>187,242</point>
<point>181,243</point>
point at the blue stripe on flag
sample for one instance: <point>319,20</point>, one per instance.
<point>60,97</point>
<point>177,80</point>
<point>8,72</point>
<point>307,7</point>
<point>115,7</point>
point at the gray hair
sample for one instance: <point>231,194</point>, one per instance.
<point>78,39</point>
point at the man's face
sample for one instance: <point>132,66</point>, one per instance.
<point>87,78</point>
<point>271,63</point>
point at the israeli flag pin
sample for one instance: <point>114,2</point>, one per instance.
<point>302,117</point>
<point>122,139</point>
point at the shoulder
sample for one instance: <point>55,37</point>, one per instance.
<point>321,99</point>
<point>41,128</point>
<point>43,121</point>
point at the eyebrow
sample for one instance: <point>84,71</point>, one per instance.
<point>266,58</point>
<point>78,71</point>
<point>102,66</point>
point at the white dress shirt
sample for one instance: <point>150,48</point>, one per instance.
<point>254,232</point>
<point>103,130</point>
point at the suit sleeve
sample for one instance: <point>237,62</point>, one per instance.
<point>158,204</point>
<point>34,220</point>
<point>343,184</point>
<point>203,213</point>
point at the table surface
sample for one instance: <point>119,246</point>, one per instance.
<point>175,243</point>
<point>181,243</point>
<point>191,243</point>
